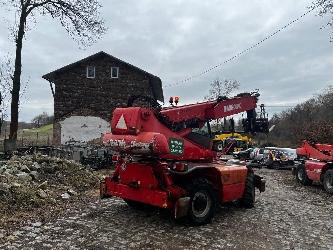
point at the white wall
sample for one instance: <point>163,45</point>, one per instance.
<point>83,128</point>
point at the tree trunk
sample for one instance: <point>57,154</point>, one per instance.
<point>17,78</point>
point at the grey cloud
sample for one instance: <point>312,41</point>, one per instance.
<point>175,39</point>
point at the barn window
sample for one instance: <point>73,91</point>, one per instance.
<point>114,72</point>
<point>91,72</point>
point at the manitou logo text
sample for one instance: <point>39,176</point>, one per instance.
<point>232,107</point>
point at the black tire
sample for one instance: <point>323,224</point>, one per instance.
<point>203,202</point>
<point>301,175</point>
<point>276,165</point>
<point>218,146</point>
<point>265,162</point>
<point>328,181</point>
<point>249,195</point>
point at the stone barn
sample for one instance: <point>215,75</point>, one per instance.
<point>87,91</point>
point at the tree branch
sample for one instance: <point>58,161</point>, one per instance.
<point>36,5</point>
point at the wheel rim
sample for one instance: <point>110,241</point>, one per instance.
<point>219,147</point>
<point>300,174</point>
<point>201,204</point>
<point>329,182</point>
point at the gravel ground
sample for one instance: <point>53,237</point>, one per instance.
<point>286,216</point>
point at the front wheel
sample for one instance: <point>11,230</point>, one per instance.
<point>276,165</point>
<point>328,181</point>
<point>203,202</point>
<point>249,196</point>
<point>301,175</point>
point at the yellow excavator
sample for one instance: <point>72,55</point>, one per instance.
<point>229,142</point>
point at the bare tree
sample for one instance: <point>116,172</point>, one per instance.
<point>42,119</point>
<point>311,120</point>
<point>80,18</point>
<point>6,78</point>
<point>325,8</point>
<point>222,88</point>
<point>318,131</point>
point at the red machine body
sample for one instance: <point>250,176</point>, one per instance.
<point>317,164</point>
<point>162,157</point>
<point>322,152</point>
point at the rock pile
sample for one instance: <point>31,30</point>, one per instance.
<point>31,181</point>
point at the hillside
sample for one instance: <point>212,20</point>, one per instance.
<point>311,120</point>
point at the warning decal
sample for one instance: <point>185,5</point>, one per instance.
<point>121,123</point>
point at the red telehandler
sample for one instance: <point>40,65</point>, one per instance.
<point>316,165</point>
<point>166,160</point>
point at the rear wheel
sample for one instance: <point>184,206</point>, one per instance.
<point>301,175</point>
<point>249,196</point>
<point>203,202</point>
<point>328,181</point>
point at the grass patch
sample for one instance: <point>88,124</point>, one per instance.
<point>47,129</point>
<point>35,136</point>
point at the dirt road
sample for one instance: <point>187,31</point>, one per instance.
<point>286,216</point>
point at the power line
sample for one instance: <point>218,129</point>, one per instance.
<point>246,50</point>
<point>279,106</point>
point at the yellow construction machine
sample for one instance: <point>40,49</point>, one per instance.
<point>229,142</point>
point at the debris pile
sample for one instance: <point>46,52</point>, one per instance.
<point>32,181</point>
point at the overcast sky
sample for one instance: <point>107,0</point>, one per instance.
<point>178,38</point>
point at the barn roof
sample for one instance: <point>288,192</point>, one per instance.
<point>155,82</point>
